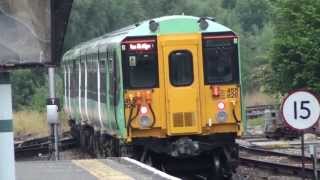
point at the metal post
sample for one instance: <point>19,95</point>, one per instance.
<point>302,155</point>
<point>7,164</point>
<point>52,111</point>
<point>52,93</point>
<point>313,154</point>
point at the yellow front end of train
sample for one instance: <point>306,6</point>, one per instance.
<point>197,90</point>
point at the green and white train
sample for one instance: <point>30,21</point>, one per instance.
<point>165,91</point>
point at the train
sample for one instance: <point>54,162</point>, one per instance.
<point>165,91</point>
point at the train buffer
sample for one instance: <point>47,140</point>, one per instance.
<point>90,169</point>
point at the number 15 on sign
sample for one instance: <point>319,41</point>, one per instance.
<point>301,110</point>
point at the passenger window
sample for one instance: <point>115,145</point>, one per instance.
<point>66,84</point>
<point>83,77</point>
<point>181,68</point>
<point>72,80</point>
<point>111,76</point>
<point>102,81</point>
<point>220,62</point>
<point>76,67</point>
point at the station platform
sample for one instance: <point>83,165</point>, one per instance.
<point>91,169</point>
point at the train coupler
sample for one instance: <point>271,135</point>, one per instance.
<point>185,147</point>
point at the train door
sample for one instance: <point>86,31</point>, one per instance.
<point>112,88</point>
<point>182,83</point>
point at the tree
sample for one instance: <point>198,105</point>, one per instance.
<point>253,13</point>
<point>295,58</point>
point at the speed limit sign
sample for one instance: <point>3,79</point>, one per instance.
<point>301,109</point>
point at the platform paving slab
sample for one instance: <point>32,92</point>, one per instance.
<point>89,169</point>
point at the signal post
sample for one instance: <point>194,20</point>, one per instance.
<point>300,111</point>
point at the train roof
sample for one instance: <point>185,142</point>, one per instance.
<point>175,24</point>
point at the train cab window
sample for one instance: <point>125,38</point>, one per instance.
<point>181,68</point>
<point>140,64</point>
<point>142,70</point>
<point>220,61</point>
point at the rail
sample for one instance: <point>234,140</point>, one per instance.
<point>264,152</point>
<point>259,110</point>
<point>41,145</point>
<point>280,168</point>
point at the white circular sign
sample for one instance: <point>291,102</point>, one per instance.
<point>301,110</point>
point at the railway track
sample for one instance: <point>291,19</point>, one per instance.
<point>263,152</point>
<point>259,110</point>
<point>290,164</point>
<point>41,145</point>
<point>279,168</point>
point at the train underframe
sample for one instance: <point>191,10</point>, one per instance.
<point>215,156</point>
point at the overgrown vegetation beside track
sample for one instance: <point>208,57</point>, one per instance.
<point>294,59</point>
<point>33,124</point>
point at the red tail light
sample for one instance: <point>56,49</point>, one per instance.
<point>215,91</point>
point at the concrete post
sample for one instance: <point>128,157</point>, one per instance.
<point>7,163</point>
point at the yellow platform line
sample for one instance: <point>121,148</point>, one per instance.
<point>101,170</point>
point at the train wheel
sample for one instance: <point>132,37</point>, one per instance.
<point>97,145</point>
<point>216,168</point>
<point>149,160</point>
<point>91,147</point>
<point>83,139</point>
<point>110,146</point>
<point>146,157</point>
<point>153,159</point>
<point>106,146</point>
<point>87,139</point>
<point>115,148</point>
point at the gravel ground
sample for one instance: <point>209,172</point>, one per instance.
<point>245,173</point>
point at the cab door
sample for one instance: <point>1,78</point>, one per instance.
<point>180,60</point>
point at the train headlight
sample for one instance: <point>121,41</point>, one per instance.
<point>221,105</point>
<point>222,116</point>
<point>145,122</point>
<point>143,110</point>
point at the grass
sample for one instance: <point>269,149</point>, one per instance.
<point>256,122</point>
<point>259,98</point>
<point>29,124</point>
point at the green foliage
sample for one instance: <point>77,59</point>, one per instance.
<point>28,89</point>
<point>295,61</point>
<point>253,14</point>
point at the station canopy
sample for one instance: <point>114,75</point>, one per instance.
<point>32,32</point>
